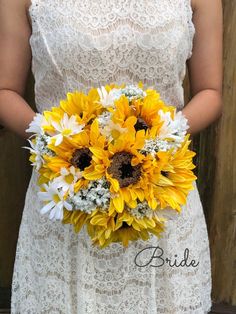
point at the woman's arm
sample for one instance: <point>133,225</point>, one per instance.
<point>205,66</point>
<point>15,61</point>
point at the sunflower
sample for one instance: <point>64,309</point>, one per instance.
<point>77,151</point>
<point>126,173</point>
<point>84,107</point>
<point>141,114</point>
<point>124,227</point>
<point>174,180</point>
<point>76,217</point>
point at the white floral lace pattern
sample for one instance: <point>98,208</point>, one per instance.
<point>76,45</point>
<point>79,44</point>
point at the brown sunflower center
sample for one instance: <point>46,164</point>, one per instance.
<point>140,124</point>
<point>164,173</point>
<point>122,170</point>
<point>125,225</point>
<point>81,158</point>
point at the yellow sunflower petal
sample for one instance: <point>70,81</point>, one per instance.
<point>118,203</point>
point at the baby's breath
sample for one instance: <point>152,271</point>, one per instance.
<point>41,145</point>
<point>133,92</point>
<point>96,194</point>
<point>104,118</point>
<point>151,146</point>
<point>141,210</point>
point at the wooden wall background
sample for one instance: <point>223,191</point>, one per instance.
<point>216,171</point>
<point>15,171</point>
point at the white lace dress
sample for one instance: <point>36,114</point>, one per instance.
<point>77,44</point>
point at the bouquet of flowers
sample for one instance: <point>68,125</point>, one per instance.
<point>115,159</point>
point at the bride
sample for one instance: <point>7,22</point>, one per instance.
<point>73,44</point>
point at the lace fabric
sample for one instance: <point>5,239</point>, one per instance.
<point>77,45</point>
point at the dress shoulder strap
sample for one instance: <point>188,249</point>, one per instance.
<point>191,26</point>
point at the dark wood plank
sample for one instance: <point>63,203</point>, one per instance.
<point>223,309</point>
<point>5,295</point>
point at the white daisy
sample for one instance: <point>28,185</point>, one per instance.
<point>171,134</point>
<point>35,149</point>
<point>39,148</point>
<point>55,202</point>
<point>106,125</point>
<point>173,129</point>
<point>65,128</point>
<point>111,126</point>
<point>107,98</point>
<point>67,179</point>
<point>36,124</point>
